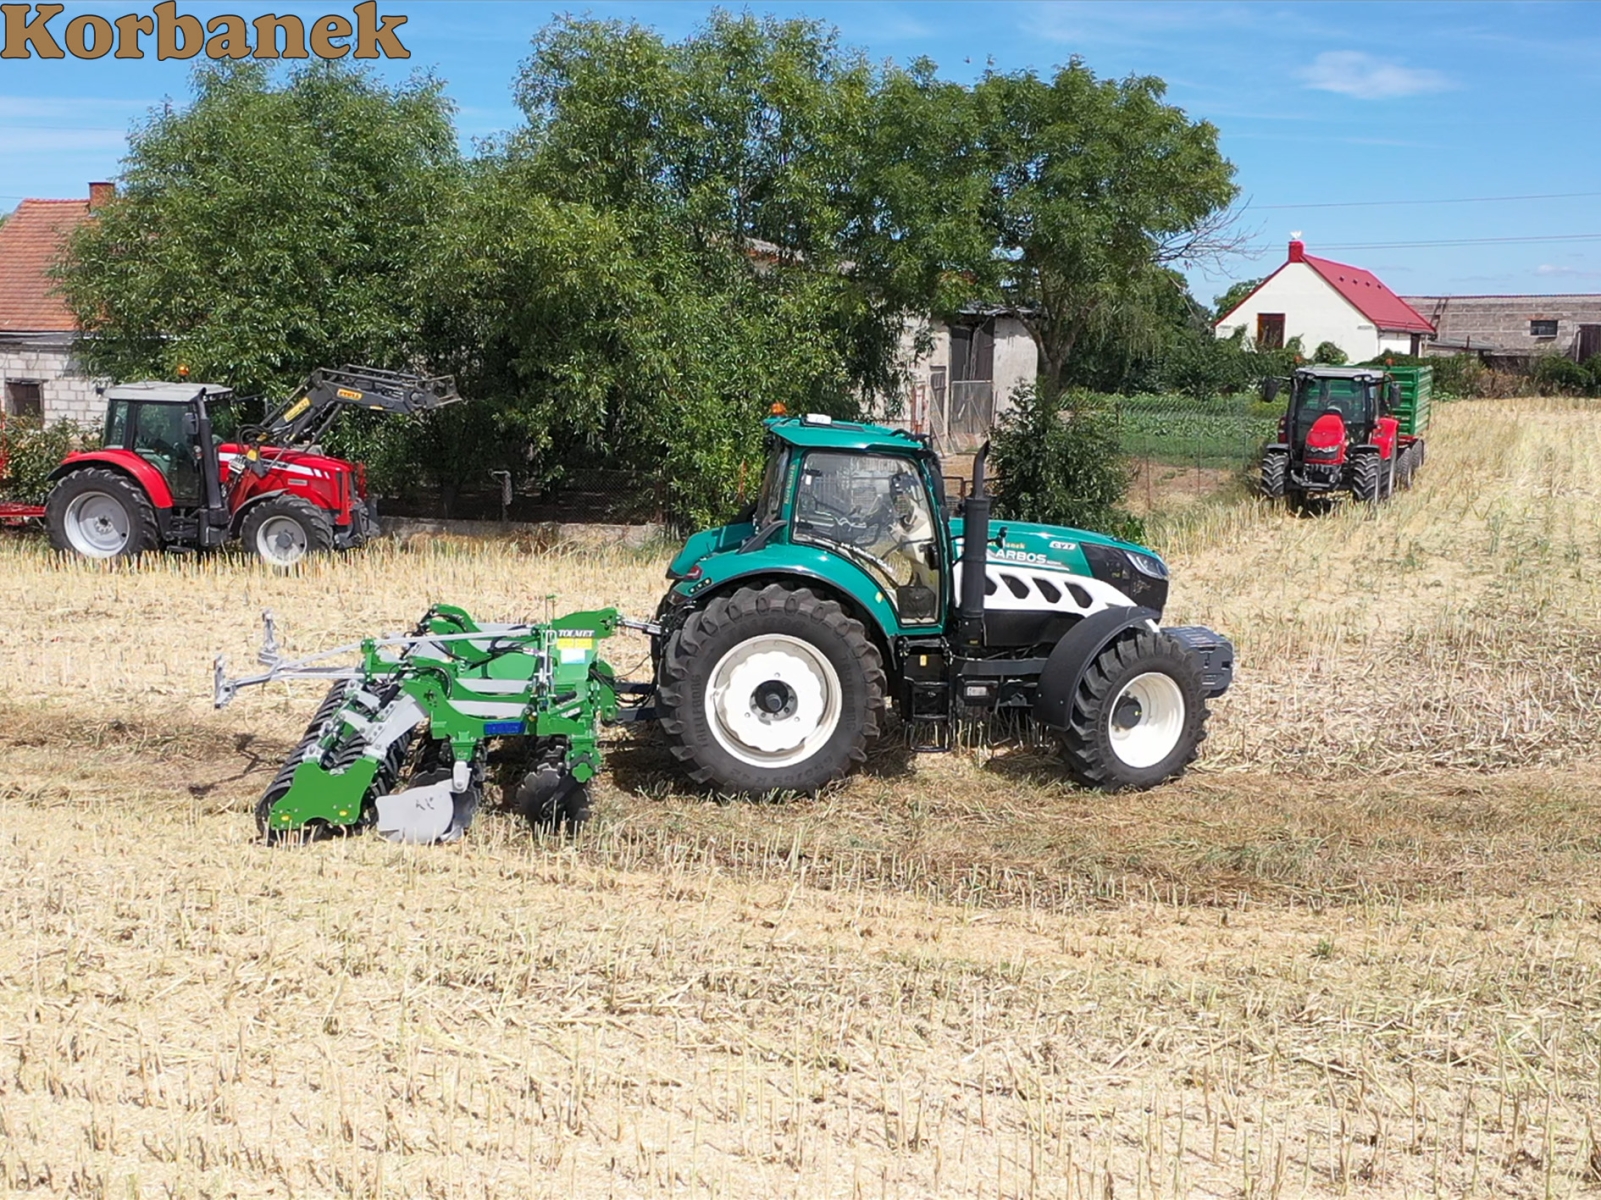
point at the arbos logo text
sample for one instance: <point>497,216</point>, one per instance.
<point>34,31</point>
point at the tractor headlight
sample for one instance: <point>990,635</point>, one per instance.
<point>1141,577</point>
<point>1147,564</point>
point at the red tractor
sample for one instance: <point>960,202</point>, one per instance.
<point>175,469</point>
<point>1353,430</point>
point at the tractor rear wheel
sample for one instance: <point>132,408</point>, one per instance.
<point>1275,472</point>
<point>1139,715</point>
<point>1365,475</point>
<point>284,529</point>
<point>101,514</point>
<point>776,690</point>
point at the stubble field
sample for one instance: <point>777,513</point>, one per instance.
<point>1356,951</point>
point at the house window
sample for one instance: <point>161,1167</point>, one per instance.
<point>23,398</point>
<point>1542,329</point>
<point>1270,331</point>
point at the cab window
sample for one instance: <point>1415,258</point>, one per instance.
<point>116,435</point>
<point>874,510</point>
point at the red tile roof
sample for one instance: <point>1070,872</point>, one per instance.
<point>1363,289</point>
<point>31,240</point>
<point>1370,297</point>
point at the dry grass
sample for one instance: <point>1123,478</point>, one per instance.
<point>952,975</point>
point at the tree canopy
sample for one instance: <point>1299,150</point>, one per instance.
<point>266,228</point>
<point>679,235</point>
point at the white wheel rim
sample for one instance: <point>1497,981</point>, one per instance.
<point>97,525</point>
<point>773,701</point>
<point>1146,719</point>
<point>281,541</point>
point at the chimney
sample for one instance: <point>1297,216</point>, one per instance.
<point>101,193</point>
<point>1297,250</point>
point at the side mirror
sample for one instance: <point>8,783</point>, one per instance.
<point>191,422</point>
<point>1270,389</point>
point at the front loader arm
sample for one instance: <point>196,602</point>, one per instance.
<point>312,407</point>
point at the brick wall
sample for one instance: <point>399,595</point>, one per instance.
<point>65,394</point>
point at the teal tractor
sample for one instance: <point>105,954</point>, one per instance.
<point>847,591</point>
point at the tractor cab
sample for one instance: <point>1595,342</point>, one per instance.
<point>171,427</point>
<point>1356,396</point>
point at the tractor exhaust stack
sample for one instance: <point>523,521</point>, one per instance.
<point>975,519</point>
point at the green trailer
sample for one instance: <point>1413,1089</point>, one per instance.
<point>1411,398</point>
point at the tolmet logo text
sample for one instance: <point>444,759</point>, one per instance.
<point>34,31</point>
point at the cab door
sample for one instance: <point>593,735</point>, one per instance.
<point>874,510</point>
<point>166,437</point>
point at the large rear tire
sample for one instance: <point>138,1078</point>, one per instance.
<point>1275,472</point>
<point>98,513</point>
<point>1139,715</point>
<point>775,690</point>
<point>285,529</point>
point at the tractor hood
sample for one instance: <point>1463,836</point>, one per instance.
<point>296,462</point>
<point>1054,546</point>
<point>706,543</point>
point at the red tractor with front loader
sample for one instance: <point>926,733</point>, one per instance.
<point>177,470</point>
<point>1356,431</point>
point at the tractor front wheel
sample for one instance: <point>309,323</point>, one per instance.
<point>283,530</point>
<point>1366,474</point>
<point>776,690</point>
<point>1139,715</point>
<point>101,514</point>
<point>1275,471</point>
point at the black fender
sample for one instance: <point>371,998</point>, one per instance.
<point>1072,656</point>
<point>236,521</point>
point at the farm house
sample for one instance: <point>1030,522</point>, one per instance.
<point>39,376</point>
<point>1319,300</point>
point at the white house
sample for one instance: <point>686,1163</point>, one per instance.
<point>1319,300</point>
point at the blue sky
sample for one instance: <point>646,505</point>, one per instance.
<point>1470,122</point>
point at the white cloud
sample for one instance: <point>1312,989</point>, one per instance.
<point>1572,272</point>
<point>1366,77</point>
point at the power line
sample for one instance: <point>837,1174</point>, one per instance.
<point>1494,241</point>
<point>1457,200</point>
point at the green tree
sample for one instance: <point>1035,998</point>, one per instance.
<point>269,226</point>
<point>1060,462</point>
<point>1223,305</point>
<point>1092,184</point>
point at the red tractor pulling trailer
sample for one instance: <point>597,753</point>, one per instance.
<point>176,470</point>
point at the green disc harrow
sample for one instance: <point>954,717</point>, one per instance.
<point>400,740</point>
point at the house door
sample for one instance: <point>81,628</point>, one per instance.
<point>1589,342</point>
<point>1270,331</point>
<point>972,381</point>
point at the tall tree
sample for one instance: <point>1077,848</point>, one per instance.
<point>267,227</point>
<point>1093,183</point>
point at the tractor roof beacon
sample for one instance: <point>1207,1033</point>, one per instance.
<point>173,471</point>
<point>783,638</point>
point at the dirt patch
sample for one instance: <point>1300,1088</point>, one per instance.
<point>1160,486</point>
